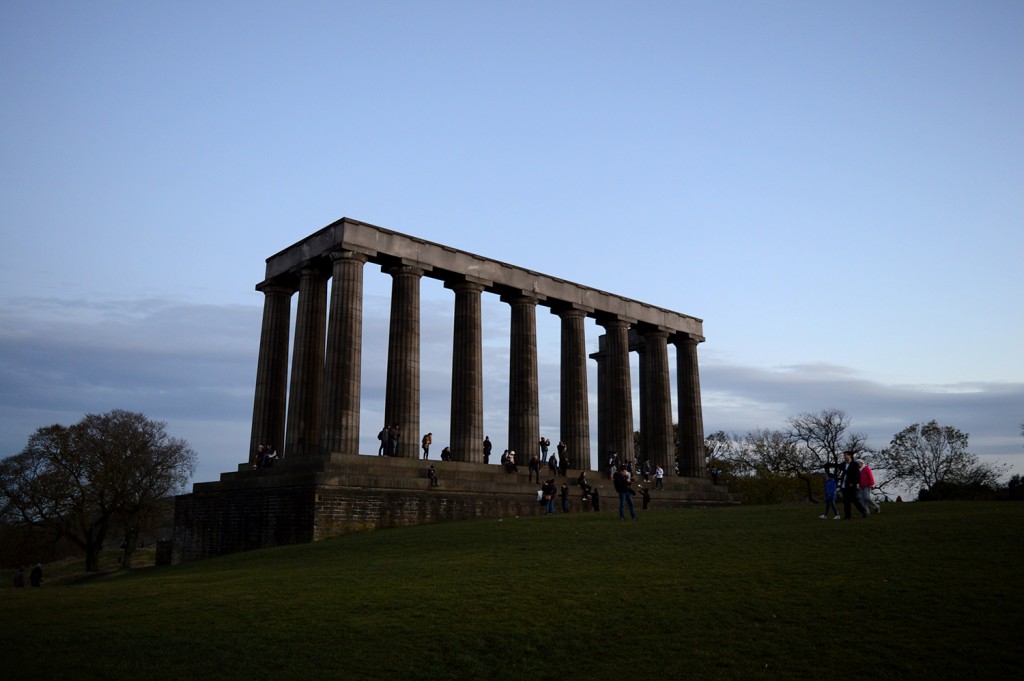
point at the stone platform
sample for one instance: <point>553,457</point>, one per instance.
<point>309,499</point>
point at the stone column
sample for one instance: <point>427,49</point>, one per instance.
<point>638,344</point>
<point>656,400</point>
<point>402,399</point>
<point>343,362</point>
<point>270,401</point>
<point>306,393</point>
<point>574,405</point>
<point>603,448</point>
<point>467,415</point>
<point>619,392</point>
<point>691,419</point>
<point>523,399</point>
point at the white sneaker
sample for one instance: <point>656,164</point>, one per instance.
<point>837,518</point>
<point>822,515</point>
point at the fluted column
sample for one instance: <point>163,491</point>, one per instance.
<point>467,415</point>
<point>270,401</point>
<point>619,391</point>
<point>343,361</point>
<point>603,449</point>
<point>402,400</point>
<point>305,396</point>
<point>574,406</point>
<point>656,400</point>
<point>523,399</point>
<point>640,346</point>
<point>691,418</point>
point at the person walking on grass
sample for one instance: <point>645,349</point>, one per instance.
<point>830,498</point>
<point>851,486</point>
<point>867,483</point>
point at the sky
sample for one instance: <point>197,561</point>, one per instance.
<point>835,188</point>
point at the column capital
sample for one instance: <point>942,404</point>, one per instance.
<point>521,298</point>
<point>403,270</point>
<point>466,284</point>
<point>568,310</point>
<point>350,256</point>
<point>270,287</point>
<point>682,338</point>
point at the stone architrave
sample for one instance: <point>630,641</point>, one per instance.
<point>523,397</point>
<point>270,400</point>
<point>657,405</point>
<point>691,419</point>
<point>305,394</point>
<point>574,405</point>
<point>467,414</point>
<point>619,393</point>
<point>402,399</point>
<point>343,361</point>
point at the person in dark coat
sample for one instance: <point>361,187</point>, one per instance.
<point>36,578</point>
<point>851,486</point>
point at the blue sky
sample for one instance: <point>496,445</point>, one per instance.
<point>834,188</point>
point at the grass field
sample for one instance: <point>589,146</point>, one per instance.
<point>921,591</point>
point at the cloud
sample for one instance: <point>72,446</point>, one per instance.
<point>193,366</point>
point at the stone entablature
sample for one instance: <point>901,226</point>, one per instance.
<point>385,247</point>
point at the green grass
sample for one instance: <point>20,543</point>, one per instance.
<point>921,591</point>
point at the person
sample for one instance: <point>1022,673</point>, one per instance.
<point>534,468</point>
<point>563,463</point>
<point>19,578</point>
<point>509,457</point>
<point>714,474</point>
<point>584,486</point>
<point>260,454</point>
<point>544,444</point>
<point>427,440</point>
<point>563,493</point>
<point>659,475</point>
<point>548,488</point>
<point>36,578</point>
<point>393,436</point>
<point>645,470</point>
<point>867,482</point>
<point>270,456</point>
<point>432,475</point>
<point>595,499</point>
<point>553,465</point>
<point>487,449</point>
<point>830,498</point>
<point>645,494</point>
<point>383,437</point>
<point>851,486</point>
<point>446,454</point>
<point>623,486</point>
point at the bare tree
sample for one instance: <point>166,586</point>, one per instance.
<point>80,480</point>
<point>931,454</point>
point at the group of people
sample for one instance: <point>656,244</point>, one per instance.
<point>645,469</point>
<point>855,481</point>
<point>35,577</point>
<point>388,437</point>
<point>266,455</point>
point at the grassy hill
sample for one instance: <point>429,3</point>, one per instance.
<point>921,591</point>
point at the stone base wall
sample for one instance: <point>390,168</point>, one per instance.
<point>314,499</point>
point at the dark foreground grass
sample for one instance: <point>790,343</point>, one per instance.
<point>922,591</point>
